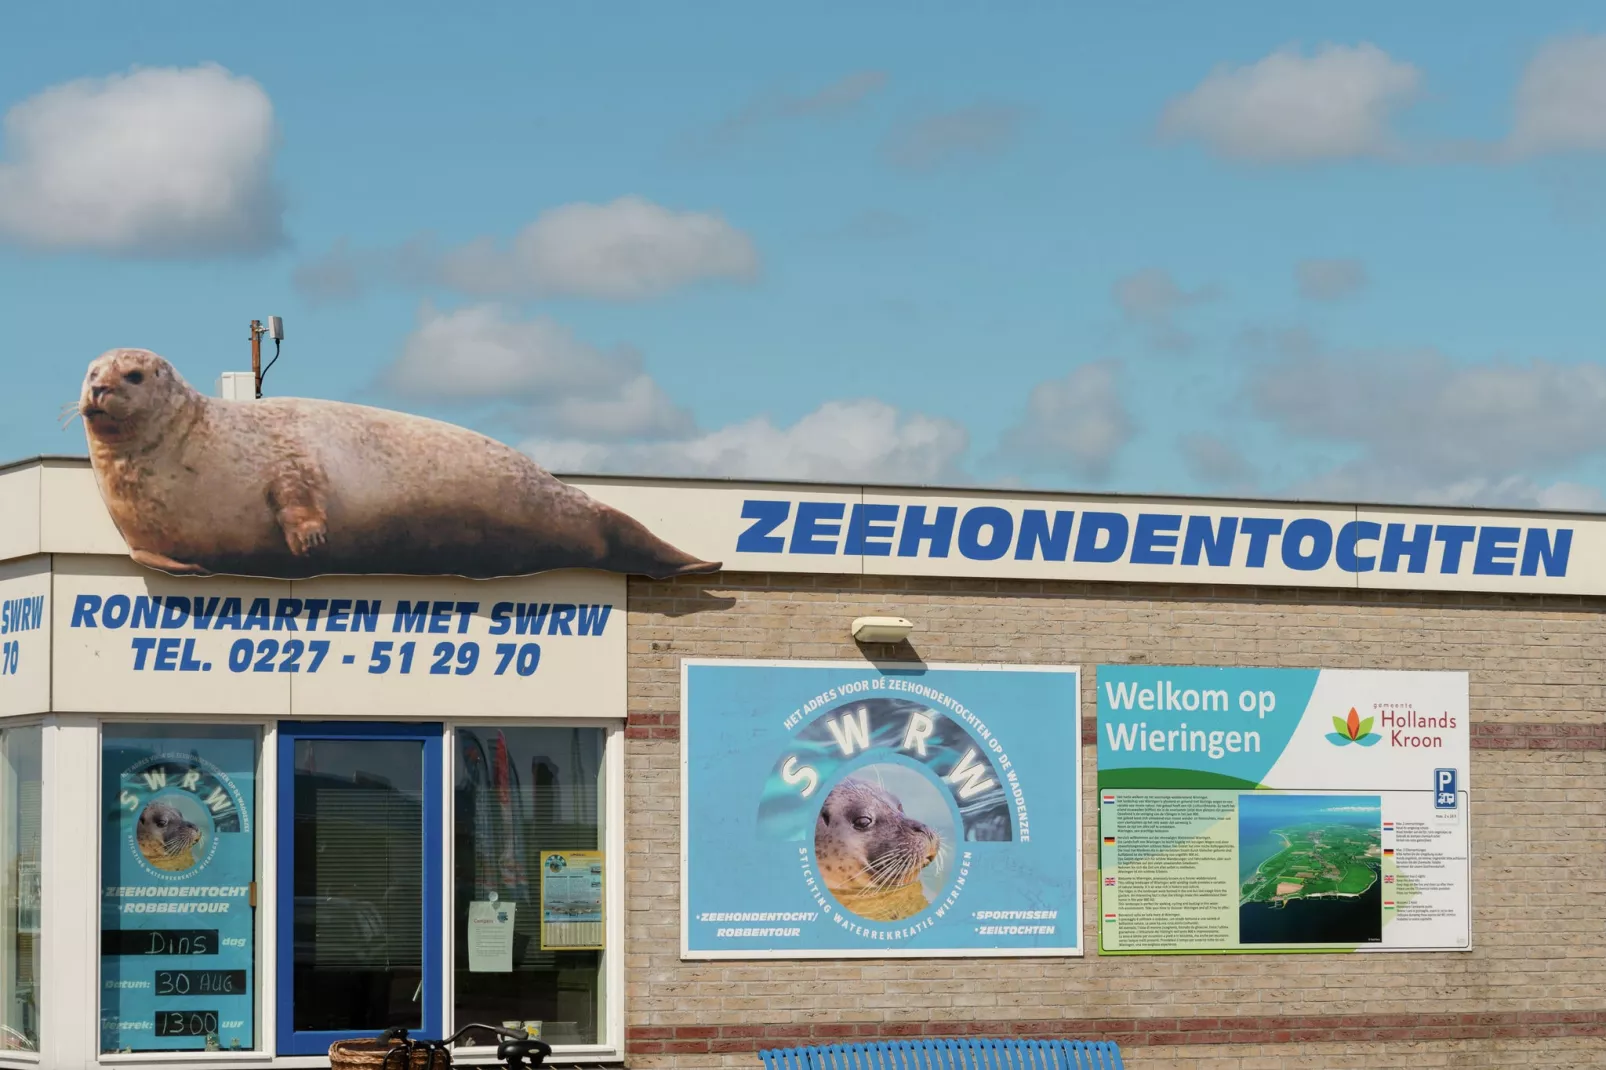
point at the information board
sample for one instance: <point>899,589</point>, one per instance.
<point>178,862</point>
<point>1245,810</point>
<point>843,809</point>
<point>571,901</point>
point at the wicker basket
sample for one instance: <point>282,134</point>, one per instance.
<point>370,1055</point>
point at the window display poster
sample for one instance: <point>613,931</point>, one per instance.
<point>1253,810</point>
<point>490,935</point>
<point>845,809</point>
<point>571,901</point>
<point>177,864</point>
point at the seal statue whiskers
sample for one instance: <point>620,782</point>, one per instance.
<point>289,488</point>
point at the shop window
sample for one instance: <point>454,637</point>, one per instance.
<point>178,887</point>
<point>360,890</point>
<point>528,877</point>
<point>21,782</point>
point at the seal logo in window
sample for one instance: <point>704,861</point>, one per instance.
<point>173,808</point>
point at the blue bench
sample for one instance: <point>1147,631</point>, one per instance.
<point>977,1053</point>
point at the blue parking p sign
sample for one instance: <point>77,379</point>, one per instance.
<point>1444,794</point>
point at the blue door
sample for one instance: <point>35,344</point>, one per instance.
<point>359,882</point>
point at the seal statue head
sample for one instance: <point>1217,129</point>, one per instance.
<point>129,396</point>
<point>165,838</point>
<point>866,844</point>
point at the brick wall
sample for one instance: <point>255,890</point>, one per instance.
<point>1532,993</point>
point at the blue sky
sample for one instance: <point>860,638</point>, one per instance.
<point>1157,248</point>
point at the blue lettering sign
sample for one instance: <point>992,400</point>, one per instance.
<point>813,533</point>
<point>995,531</point>
<point>766,517</point>
<point>870,530</point>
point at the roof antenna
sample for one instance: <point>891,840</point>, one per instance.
<point>274,330</point>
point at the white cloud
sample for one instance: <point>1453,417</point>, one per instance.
<point>559,384</point>
<point>1292,108</point>
<point>849,441</point>
<point>1569,497</point>
<point>1152,294</point>
<point>1561,100</point>
<point>1329,279</point>
<point>1152,298</point>
<point>156,162</point>
<point>626,250</point>
<point>589,410</point>
<point>1521,492</point>
<point>337,275</point>
<point>1216,462</point>
<point>1425,428</point>
<point>1360,482</point>
<point>932,141</point>
<point>1077,423</point>
<point>839,96</point>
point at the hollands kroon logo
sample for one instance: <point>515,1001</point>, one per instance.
<point>1353,730</point>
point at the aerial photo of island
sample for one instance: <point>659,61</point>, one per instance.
<point>1310,869</point>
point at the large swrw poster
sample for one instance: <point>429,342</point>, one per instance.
<point>839,810</point>
<point>1245,810</point>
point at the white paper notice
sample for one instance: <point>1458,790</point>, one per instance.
<point>490,937</point>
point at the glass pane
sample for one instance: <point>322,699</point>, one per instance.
<point>20,784</point>
<point>528,816</point>
<point>359,885</point>
<point>178,862</point>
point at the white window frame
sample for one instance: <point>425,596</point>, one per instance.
<point>264,961</point>
<point>42,984</point>
<point>612,1018</point>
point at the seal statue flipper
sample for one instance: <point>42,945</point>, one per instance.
<point>640,551</point>
<point>298,500</point>
<point>166,564</point>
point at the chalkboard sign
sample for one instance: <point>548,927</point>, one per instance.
<point>186,1023</point>
<point>199,982</point>
<point>158,942</point>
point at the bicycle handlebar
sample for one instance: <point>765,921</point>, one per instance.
<point>517,1050</point>
<point>507,1034</point>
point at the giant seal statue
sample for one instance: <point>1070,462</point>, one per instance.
<point>870,854</point>
<point>165,838</point>
<point>289,488</point>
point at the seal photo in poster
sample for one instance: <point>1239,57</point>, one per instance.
<point>167,839</point>
<point>871,852</point>
<point>291,488</point>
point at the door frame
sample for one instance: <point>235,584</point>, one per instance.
<point>289,1041</point>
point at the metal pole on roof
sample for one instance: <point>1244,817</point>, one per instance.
<point>256,355</point>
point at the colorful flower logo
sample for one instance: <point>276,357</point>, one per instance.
<point>1353,730</point>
